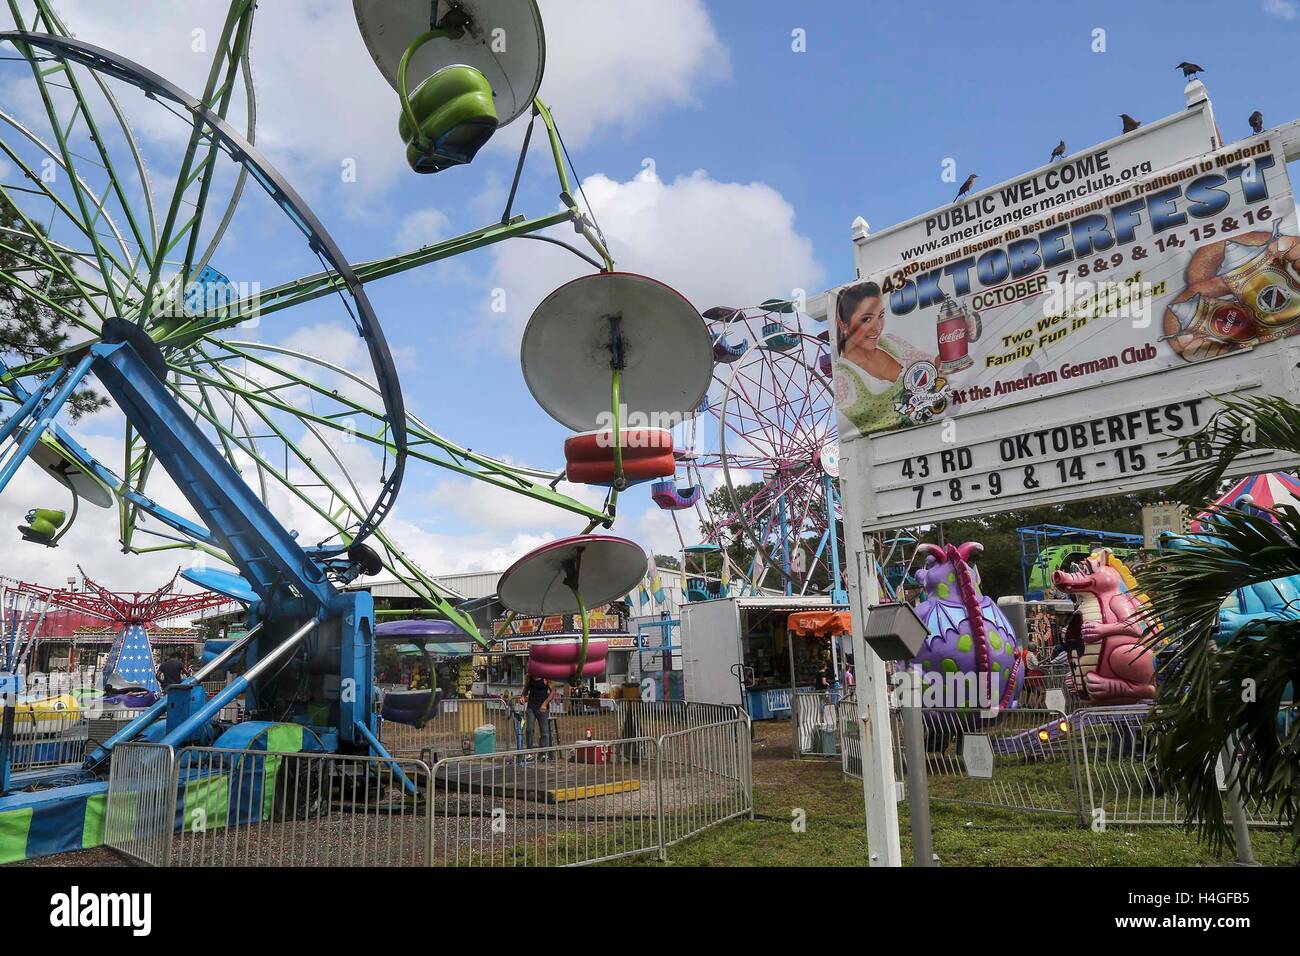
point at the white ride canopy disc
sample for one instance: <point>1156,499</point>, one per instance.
<point>84,485</point>
<point>608,569</point>
<point>502,39</point>
<point>567,354</point>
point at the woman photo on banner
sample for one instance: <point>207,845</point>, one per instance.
<point>871,362</point>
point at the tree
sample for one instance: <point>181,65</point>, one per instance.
<point>1212,698</point>
<point>29,327</point>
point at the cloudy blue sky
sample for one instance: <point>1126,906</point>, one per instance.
<point>726,146</point>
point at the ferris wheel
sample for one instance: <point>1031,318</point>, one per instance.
<point>126,237</point>
<point>767,430</point>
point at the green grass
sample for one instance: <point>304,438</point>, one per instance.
<point>963,835</point>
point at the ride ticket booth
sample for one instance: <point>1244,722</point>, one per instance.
<point>739,651</point>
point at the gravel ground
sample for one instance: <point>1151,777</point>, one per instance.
<point>100,856</point>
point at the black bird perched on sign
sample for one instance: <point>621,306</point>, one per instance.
<point>1130,124</point>
<point>965,187</point>
<point>1059,151</point>
<point>1189,69</point>
<point>1256,122</point>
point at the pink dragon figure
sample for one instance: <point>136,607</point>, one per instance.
<point>1116,667</point>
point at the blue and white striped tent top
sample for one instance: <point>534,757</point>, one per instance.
<point>130,660</point>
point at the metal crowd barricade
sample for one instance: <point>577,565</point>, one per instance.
<point>1018,759</point>
<point>849,734</point>
<point>705,778</point>
<point>655,718</point>
<point>815,724</point>
<point>48,740</point>
<point>259,808</point>
<point>451,732</point>
<point>1096,764</point>
<point>140,807</point>
<point>232,712</point>
<point>1122,785</point>
<point>1039,685</point>
<point>566,805</point>
<point>569,804</point>
<point>1029,756</point>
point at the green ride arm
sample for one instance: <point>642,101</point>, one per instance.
<point>403,94</point>
<point>586,636</point>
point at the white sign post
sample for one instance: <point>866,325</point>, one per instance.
<point>878,790</point>
<point>1053,338</point>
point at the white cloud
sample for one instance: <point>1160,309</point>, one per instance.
<point>320,99</point>
<point>481,505</point>
<point>655,533</point>
<point>716,243</point>
<point>421,228</point>
<point>92,542</point>
<point>1283,9</point>
<point>620,64</point>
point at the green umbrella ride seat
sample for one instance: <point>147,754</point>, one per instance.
<point>451,116</point>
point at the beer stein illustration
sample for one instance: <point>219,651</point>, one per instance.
<point>1265,282</point>
<point>1218,320</point>
<point>957,327</point>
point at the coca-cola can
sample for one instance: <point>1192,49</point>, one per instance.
<point>954,338</point>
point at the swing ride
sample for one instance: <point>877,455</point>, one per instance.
<point>130,663</point>
<point>239,436</point>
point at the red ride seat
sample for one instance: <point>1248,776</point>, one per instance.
<point>647,454</point>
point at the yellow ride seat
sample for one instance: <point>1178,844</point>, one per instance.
<point>456,115</point>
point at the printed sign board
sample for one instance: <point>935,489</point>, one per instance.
<point>1165,517</point>
<point>986,211</point>
<point>977,756</point>
<point>1064,355</point>
<point>601,621</point>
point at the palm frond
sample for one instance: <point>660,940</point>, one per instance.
<point>1214,699</point>
<point>1261,423</point>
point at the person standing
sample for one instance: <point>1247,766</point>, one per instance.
<point>828,683</point>
<point>539,694</point>
<point>172,670</point>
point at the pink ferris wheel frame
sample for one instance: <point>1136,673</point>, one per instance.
<point>775,412</point>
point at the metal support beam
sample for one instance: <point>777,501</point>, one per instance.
<point>209,710</point>
<point>43,420</point>
<point>267,554</point>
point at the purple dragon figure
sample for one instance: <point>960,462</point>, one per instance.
<point>971,644</point>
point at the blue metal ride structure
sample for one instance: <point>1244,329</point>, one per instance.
<point>308,658</point>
